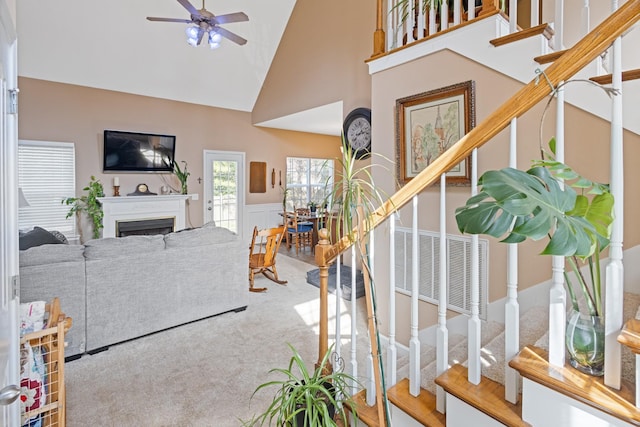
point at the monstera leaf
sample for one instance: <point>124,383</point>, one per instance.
<point>516,205</point>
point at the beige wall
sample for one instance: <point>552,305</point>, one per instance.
<point>587,151</point>
<point>60,112</point>
<point>320,59</point>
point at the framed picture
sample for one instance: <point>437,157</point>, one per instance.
<point>428,124</point>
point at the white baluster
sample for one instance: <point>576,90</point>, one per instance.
<point>586,18</point>
<point>614,272</point>
<point>338,347</point>
<point>557,294</point>
<point>421,20</point>
<point>392,351</point>
<point>474,324</point>
<point>432,20</point>
<point>414,342</point>
<point>391,25</point>
<point>354,335</point>
<point>444,15</point>
<point>512,308</point>
<point>442,350</point>
<point>471,9</point>
<point>558,26</point>
<point>409,22</point>
<point>513,16</point>
<point>535,13</point>
<point>371,388</point>
<point>457,12</point>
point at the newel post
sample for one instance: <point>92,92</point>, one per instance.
<point>378,35</point>
<point>321,249</point>
<point>488,6</point>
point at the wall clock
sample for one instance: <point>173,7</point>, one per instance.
<point>357,132</point>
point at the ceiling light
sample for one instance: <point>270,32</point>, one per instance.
<point>214,40</point>
<point>193,35</point>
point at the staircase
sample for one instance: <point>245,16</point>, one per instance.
<point>449,392</point>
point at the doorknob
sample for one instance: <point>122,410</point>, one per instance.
<point>9,394</point>
<point>209,208</point>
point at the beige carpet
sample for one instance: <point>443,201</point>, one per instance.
<point>204,373</point>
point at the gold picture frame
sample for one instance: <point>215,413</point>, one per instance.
<point>429,123</point>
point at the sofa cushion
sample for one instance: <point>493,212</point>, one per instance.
<point>51,254</point>
<point>36,237</point>
<point>112,247</point>
<point>208,234</point>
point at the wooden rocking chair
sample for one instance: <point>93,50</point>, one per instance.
<point>262,255</point>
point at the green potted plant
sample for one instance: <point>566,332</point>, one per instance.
<point>182,176</point>
<point>313,206</point>
<point>304,397</point>
<point>576,219</point>
<point>89,204</point>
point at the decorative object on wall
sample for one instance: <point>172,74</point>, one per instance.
<point>428,124</point>
<point>257,177</point>
<point>273,178</point>
<point>206,23</point>
<point>280,179</point>
<point>357,132</point>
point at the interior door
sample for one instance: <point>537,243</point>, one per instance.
<point>224,189</point>
<point>9,361</point>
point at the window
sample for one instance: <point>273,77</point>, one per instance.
<point>308,180</point>
<point>46,175</point>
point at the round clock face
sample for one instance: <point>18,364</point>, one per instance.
<point>357,131</point>
<point>142,188</point>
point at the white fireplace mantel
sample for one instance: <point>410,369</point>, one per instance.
<point>135,208</point>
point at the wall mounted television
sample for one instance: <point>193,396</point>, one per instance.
<point>138,152</point>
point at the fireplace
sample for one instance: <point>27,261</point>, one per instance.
<point>145,227</point>
<point>143,208</point>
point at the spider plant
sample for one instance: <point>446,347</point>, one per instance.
<point>306,398</point>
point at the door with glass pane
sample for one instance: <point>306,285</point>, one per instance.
<point>224,189</point>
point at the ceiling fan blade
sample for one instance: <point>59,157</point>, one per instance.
<point>231,17</point>
<point>185,21</point>
<point>231,36</point>
<point>192,10</point>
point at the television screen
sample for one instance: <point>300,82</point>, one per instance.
<point>138,152</point>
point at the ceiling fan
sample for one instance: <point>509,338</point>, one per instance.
<point>207,23</point>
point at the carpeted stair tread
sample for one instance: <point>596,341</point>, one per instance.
<point>457,354</point>
<point>533,324</point>
<point>427,355</point>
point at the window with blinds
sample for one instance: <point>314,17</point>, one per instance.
<point>46,175</point>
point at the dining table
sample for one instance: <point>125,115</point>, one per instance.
<point>316,219</point>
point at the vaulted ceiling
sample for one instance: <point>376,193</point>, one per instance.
<point>110,45</point>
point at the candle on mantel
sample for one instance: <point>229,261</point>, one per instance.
<point>116,181</point>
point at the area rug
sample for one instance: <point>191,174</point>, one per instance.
<point>204,373</point>
<point>313,278</point>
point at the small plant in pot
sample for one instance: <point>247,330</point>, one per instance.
<point>577,221</point>
<point>89,204</point>
<point>306,398</point>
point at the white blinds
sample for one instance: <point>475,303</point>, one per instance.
<point>46,174</point>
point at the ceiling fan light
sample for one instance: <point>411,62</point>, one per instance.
<point>215,37</point>
<point>192,32</point>
<point>192,41</point>
<point>214,45</point>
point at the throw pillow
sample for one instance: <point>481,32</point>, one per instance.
<point>36,237</point>
<point>60,236</point>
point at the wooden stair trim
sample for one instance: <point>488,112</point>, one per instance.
<point>542,29</point>
<point>422,408</point>
<point>486,397</point>
<point>366,414</point>
<point>630,335</point>
<point>549,57</point>
<point>532,363</point>
<point>607,79</point>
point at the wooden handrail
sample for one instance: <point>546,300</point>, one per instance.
<point>572,61</point>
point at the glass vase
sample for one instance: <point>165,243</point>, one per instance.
<point>585,342</point>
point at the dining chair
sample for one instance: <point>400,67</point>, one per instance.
<point>298,232</point>
<point>262,255</point>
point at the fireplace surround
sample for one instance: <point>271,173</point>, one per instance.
<point>119,210</point>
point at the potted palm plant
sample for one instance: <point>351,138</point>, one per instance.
<point>304,397</point>
<point>576,219</point>
<point>89,204</point>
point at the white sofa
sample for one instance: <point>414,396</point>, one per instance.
<point>117,289</point>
